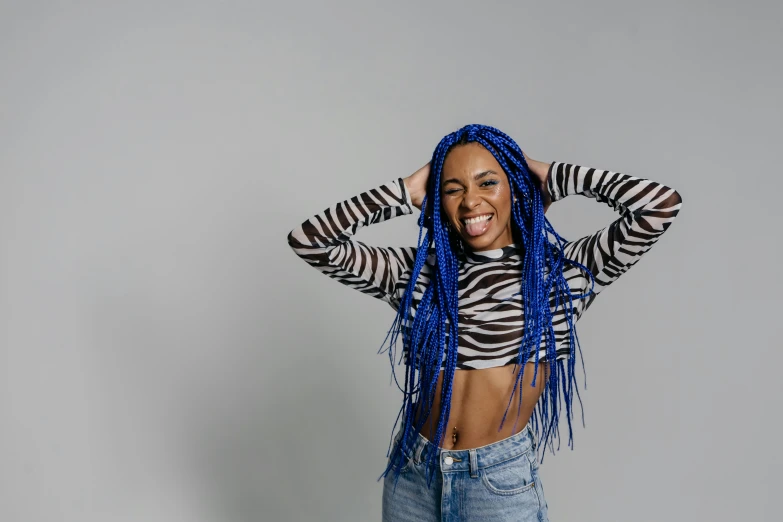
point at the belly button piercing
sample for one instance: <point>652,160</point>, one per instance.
<point>454,436</point>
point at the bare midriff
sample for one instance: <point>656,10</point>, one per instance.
<point>478,401</point>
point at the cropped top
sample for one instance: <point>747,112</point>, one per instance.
<point>490,309</point>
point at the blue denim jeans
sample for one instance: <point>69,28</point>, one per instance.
<point>498,482</point>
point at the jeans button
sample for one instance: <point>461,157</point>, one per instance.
<point>448,461</point>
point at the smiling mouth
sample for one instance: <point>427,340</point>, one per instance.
<point>478,225</point>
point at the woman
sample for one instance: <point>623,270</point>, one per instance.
<point>491,290</point>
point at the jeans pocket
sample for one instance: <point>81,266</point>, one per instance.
<point>511,477</point>
<point>406,459</point>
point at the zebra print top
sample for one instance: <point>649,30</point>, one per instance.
<point>490,319</point>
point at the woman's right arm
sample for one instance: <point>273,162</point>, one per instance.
<point>325,241</point>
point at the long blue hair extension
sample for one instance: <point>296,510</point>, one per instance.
<point>430,329</point>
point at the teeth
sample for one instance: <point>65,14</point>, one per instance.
<point>477,219</point>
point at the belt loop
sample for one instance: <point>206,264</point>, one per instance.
<point>473,464</point>
<point>532,435</point>
<point>419,449</point>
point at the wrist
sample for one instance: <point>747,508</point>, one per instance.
<point>415,197</point>
<point>407,183</point>
<point>540,169</point>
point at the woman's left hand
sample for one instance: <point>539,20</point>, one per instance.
<point>539,169</point>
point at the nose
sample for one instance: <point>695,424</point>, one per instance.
<point>471,199</point>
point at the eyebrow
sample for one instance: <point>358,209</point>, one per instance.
<point>475,177</point>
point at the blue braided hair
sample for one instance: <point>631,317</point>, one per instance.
<point>430,337</point>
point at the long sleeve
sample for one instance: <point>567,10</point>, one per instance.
<point>646,210</point>
<point>325,241</point>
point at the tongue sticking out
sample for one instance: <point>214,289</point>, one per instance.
<point>476,229</point>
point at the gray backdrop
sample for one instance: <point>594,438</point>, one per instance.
<point>166,357</point>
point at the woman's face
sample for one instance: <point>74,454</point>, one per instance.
<point>476,197</point>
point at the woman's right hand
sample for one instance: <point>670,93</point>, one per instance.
<point>416,184</point>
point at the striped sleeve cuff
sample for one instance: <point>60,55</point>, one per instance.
<point>405,194</point>
<point>554,180</point>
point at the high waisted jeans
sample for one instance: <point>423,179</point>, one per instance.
<point>498,482</point>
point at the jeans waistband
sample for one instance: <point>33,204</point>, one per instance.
<point>474,458</point>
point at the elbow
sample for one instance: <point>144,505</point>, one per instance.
<point>669,200</point>
<point>674,202</point>
<point>676,198</point>
<point>310,247</point>
<point>668,210</point>
<point>293,242</point>
<point>298,242</point>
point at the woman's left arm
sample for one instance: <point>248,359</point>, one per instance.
<point>646,209</point>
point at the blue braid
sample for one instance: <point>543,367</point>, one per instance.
<point>430,333</point>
